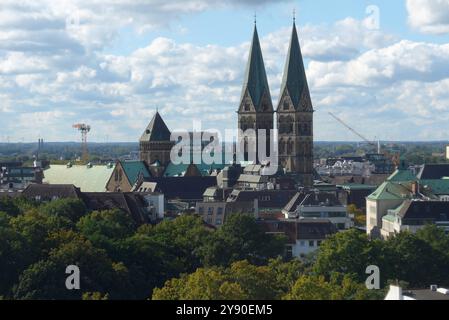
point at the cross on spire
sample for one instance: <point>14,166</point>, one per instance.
<point>255,17</point>
<point>294,15</point>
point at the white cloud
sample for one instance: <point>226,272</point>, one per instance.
<point>52,75</point>
<point>429,16</point>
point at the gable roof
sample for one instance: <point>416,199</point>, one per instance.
<point>311,198</point>
<point>314,229</point>
<point>433,171</point>
<point>88,179</point>
<point>436,186</point>
<point>255,79</point>
<point>157,130</point>
<point>266,198</point>
<point>392,191</point>
<point>294,202</point>
<point>180,170</point>
<point>294,79</point>
<point>183,188</point>
<point>50,191</point>
<point>402,175</point>
<point>132,170</point>
<point>128,202</point>
<point>425,210</point>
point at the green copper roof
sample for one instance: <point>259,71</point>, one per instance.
<point>391,191</point>
<point>157,130</point>
<point>255,76</point>
<point>436,186</point>
<point>402,175</point>
<point>133,169</point>
<point>92,179</point>
<point>294,79</point>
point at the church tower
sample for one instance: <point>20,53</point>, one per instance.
<point>295,117</point>
<point>155,144</point>
<point>256,108</point>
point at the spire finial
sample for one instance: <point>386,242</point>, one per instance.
<point>294,15</point>
<point>255,17</point>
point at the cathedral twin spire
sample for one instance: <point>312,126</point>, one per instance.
<point>294,82</point>
<point>255,84</point>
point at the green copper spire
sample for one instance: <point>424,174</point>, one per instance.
<point>255,76</point>
<point>294,80</point>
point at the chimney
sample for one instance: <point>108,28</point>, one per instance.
<point>415,188</point>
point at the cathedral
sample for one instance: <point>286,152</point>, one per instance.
<point>294,114</point>
<point>294,109</point>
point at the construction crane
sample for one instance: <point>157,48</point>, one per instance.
<point>84,129</point>
<point>371,143</point>
<point>395,157</point>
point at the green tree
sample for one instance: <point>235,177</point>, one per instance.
<point>45,279</point>
<point>414,260</point>
<point>259,283</point>
<point>313,287</point>
<point>106,228</point>
<point>345,252</point>
<point>204,284</point>
<point>13,255</point>
<point>35,227</point>
<point>72,209</point>
<point>181,239</point>
<point>287,273</point>
<point>241,238</point>
<point>359,215</point>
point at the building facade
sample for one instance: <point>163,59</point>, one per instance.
<point>256,108</point>
<point>155,144</point>
<point>295,117</point>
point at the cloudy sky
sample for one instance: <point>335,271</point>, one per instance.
<point>381,65</point>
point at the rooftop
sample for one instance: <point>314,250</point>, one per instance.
<point>88,179</point>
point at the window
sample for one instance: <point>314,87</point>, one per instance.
<point>311,243</point>
<point>220,211</point>
<point>210,211</point>
<point>302,243</point>
<point>319,243</point>
<point>218,222</point>
<point>116,175</point>
<point>201,210</point>
<point>286,105</point>
<point>247,106</point>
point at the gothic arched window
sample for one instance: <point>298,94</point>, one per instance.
<point>290,147</point>
<point>289,125</point>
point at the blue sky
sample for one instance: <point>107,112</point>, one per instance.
<point>112,63</point>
